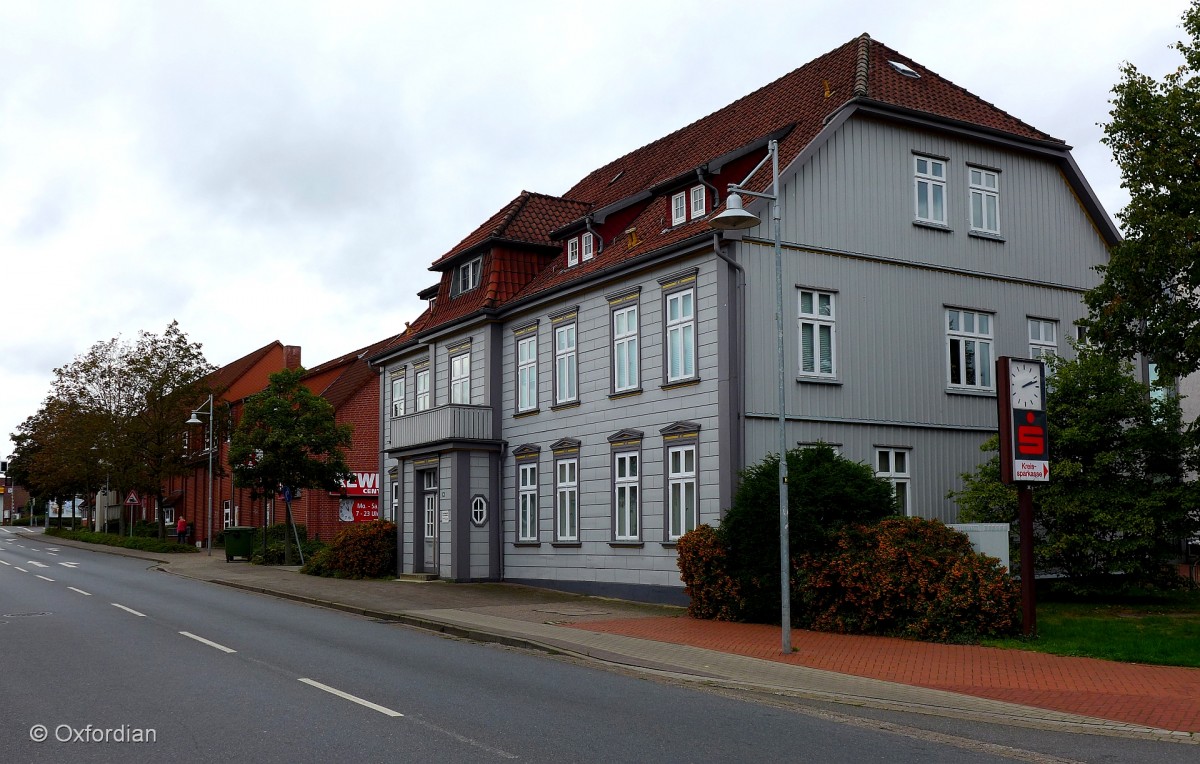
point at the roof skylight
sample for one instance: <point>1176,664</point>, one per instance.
<point>905,69</point>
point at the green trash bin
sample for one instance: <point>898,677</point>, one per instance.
<point>239,542</point>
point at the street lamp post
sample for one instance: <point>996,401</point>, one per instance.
<point>195,419</point>
<point>735,218</point>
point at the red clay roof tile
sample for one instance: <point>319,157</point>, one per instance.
<point>795,107</point>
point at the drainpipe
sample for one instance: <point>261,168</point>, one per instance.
<point>587,221</point>
<point>716,203</point>
<point>740,351</point>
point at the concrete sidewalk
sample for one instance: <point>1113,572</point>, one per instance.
<point>961,681</point>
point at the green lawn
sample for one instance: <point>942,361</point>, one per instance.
<point>1165,631</point>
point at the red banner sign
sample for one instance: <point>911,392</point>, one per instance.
<point>360,484</point>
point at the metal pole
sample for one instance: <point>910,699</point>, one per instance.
<point>208,529</point>
<point>785,578</point>
<point>1028,601</point>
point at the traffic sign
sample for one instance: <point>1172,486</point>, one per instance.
<point>132,499</point>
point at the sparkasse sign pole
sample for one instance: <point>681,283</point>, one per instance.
<point>1024,456</point>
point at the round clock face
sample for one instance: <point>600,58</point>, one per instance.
<point>1025,385</point>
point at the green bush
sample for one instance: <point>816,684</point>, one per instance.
<point>908,577</point>
<point>319,563</point>
<point>825,492</point>
<point>127,542</point>
<point>362,550</point>
<point>276,552</point>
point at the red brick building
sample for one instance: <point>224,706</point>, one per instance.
<point>188,494</point>
<point>350,386</point>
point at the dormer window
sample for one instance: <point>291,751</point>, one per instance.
<point>698,202</point>
<point>679,208</point>
<point>589,247</point>
<point>572,252</point>
<point>468,275</point>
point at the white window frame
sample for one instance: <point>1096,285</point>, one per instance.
<point>970,347</point>
<point>422,382</point>
<point>566,500</point>
<point>679,208</point>
<point>230,514</point>
<point>682,484</point>
<point>627,508</point>
<point>818,330</point>
<point>985,219</point>
<point>566,373</point>
<point>680,328</point>
<point>699,202</point>
<point>479,511</point>
<point>399,388</point>
<point>587,247</point>
<point>1043,337</point>
<point>468,274</point>
<point>929,187</point>
<point>572,251</point>
<point>395,503</point>
<point>460,378</point>
<point>625,354</point>
<point>894,465</point>
<point>527,501</point>
<point>527,373</point>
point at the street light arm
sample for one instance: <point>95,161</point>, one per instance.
<point>772,151</point>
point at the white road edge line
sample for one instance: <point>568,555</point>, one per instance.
<point>351,698</point>
<point>202,640</point>
<point>81,591</point>
<point>9,564</point>
<point>51,580</point>
<point>18,567</point>
<point>129,610</point>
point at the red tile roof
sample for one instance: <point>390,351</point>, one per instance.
<point>223,378</point>
<point>354,373</point>
<point>793,108</point>
<point>528,219</point>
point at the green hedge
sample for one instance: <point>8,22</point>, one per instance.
<point>128,542</point>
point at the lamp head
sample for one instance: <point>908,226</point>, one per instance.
<point>734,218</point>
<point>194,420</point>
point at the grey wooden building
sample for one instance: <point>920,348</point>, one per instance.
<point>594,369</point>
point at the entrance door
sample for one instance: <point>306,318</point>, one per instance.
<point>431,524</point>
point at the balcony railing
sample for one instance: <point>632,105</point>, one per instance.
<point>453,422</point>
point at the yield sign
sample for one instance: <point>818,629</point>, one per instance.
<point>132,499</point>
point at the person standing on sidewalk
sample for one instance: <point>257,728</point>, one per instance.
<point>181,530</point>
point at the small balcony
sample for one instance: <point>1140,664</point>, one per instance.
<point>453,422</point>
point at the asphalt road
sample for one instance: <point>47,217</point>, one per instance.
<point>116,661</point>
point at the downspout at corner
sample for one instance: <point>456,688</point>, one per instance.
<point>736,334</point>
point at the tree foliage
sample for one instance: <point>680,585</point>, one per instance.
<point>1120,489</point>
<point>288,437</point>
<point>115,412</point>
<point>1149,300</point>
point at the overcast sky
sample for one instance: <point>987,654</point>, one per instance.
<point>288,170</point>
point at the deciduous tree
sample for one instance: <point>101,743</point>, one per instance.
<point>1121,490</point>
<point>289,438</point>
<point>1149,301</point>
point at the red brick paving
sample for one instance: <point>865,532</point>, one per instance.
<point>1164,697</point>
